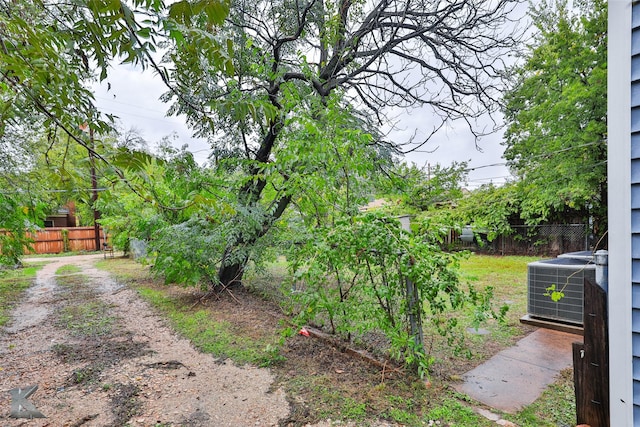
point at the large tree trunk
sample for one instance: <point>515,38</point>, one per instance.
<point>230,275</point>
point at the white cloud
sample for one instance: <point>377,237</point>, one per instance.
<point>454,142</point>
<point>134,96</point>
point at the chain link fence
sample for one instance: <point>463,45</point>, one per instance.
<point>537,240</point>
<point>548,239</point>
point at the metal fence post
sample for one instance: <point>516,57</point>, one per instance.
<point>602,269</point>
<point>413,302</point>
<point>415,317</point>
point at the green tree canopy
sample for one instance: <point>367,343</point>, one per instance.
<point>420,189</point>
<point>294,62</point>
<point>556,115</point>
<point>50,51</point>
<point>285,91</point>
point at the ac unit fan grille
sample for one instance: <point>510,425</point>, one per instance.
<point>567,275</point>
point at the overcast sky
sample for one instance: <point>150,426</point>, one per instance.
<point>134,98</point>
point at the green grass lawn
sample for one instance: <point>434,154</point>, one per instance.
<point>507,276</point>
<point>12,285</point>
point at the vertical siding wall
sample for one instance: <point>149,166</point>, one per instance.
<point>635,205</point>
<point>624,215</point>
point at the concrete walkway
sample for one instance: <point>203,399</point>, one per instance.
<point>517,376</point>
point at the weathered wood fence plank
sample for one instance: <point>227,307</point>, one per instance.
<point>591,360</point>
<point>56,240</point>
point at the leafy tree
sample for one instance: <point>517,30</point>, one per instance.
<point>64,172</point>
<point>22,199</point>
<point>169,188</point>
<point>556,114</point>
<point>14,223</point>
<point>420,189</point>
<point>50,50</point>
<point>489,208</point>
<point>304,59</point>
<point>334,166</point>
<point>258,83</point>
<point>330,159</point>
<point>59,170</point>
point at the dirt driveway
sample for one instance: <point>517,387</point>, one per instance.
<point>101,357</point>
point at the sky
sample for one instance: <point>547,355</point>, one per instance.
<point>455,143</point>
<point>134,95</point>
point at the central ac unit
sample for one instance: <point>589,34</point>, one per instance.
<point>565,274</point>
<point>583,255</point>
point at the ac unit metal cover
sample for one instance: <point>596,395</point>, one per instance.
<point>567,274</point>
<point>583,255</point>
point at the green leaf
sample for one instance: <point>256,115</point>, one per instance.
<point>556,115</point>
<point>144,32</point>
<point>553,293</point>
<point>181,12</point>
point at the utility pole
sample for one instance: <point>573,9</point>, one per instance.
<point>94,188</point>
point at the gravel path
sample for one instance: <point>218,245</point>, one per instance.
<point>139,374</point>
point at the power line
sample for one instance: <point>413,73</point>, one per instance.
<point>562,150</point>
<point>130,105</point>
<point>489,178</point>
<point>484,166</point>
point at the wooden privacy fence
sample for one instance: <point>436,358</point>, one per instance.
<point>55,240</point>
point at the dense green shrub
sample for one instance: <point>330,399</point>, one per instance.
<point>368,274</point>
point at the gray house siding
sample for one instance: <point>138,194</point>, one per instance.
<point>635,205</point>
<point>623,117</point>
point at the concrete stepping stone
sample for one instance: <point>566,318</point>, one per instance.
<point>517,376</point>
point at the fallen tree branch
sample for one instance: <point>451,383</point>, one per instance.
<point>384,365</point>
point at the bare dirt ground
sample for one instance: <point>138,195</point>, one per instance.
<point>101,356</point>
<point>130,369</point>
